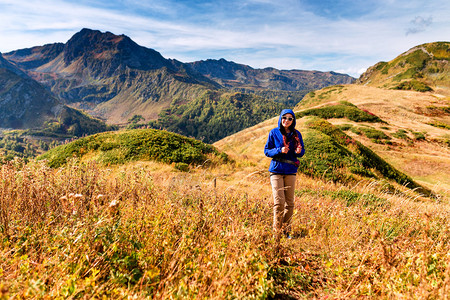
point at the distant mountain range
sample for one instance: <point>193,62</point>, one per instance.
<point>230,74</point>
<point>113,78</point>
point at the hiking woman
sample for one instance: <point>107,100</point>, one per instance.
<point>284,145</point>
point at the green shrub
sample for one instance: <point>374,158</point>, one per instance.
<point>183,167</point>
<point>138,144</point>
<point>419,136</point>
<point>325,157</point>
<point>330,151</point>
<point>439,124</point>
<point>414,85</point>
<point>345,127</point>
<point>372,133</point>
<point>401,134</point>
<point>356,130</point>
<point>342,110</point>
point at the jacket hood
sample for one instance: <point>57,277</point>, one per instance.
<point>287,111</point>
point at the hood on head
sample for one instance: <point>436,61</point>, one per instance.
<point>287,111</point>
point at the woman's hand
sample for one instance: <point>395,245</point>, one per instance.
<point>285,150</point>
<point>298,150</point>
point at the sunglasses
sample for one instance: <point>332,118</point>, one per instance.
<point>287,118</point>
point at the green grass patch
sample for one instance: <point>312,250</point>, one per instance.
<point>373,133</point>
<point>131,145</point>
<point>413,85</point>
<point>419,136</point>
<point>439,124</point>
<point>401,134</point>
<point>342,110</point>
<point>349,197</point>
<point>344,127</point>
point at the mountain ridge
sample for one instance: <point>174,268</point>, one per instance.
<point>234,75</point>
<point>422,68</point>
<point>27,104</point>
<point>112,77</point>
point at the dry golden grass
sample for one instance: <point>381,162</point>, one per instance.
<point>143,230</point>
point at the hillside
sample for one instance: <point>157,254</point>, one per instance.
<point>422,68</point>
<point>146,229</point>
<point>215,115</point>
<point>407,129</point>
<point>26,104</point>
<point>415,135</point>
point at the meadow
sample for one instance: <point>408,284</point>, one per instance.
<point>147,230</point>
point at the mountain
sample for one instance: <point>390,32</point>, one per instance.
<point>112,77</point>
<point>233,75</point>
<point>34,57</point>
<point>422,68</point>
<point>26,104</point>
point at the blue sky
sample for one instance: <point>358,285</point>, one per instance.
<point>345,36</point>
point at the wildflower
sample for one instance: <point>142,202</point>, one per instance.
<point>114,207</point>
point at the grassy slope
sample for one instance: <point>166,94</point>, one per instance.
<point>426,161</point>
<point>421,68</point>
<point>144,230</point>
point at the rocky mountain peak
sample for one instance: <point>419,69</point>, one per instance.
<point>111,51</point>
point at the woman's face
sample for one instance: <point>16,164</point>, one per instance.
<point>286,120</point>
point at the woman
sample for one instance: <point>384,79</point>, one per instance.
<point>284,145</point>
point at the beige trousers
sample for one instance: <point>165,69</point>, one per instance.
<point>283,187</point>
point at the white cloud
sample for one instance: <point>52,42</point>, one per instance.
<point>259,33</point>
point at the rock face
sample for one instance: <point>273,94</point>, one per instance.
<point>112,77</point>
<point>24,103</point>
<point>27,104</point>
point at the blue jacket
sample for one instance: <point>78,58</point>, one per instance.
<point>275,143</point>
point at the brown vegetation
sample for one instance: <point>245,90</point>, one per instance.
<point>145,230</point>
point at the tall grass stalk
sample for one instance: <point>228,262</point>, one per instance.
<point>86,231</point>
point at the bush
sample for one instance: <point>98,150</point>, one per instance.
<point>345,127</point>
<point>138,144</point>
<point>439,124</point>
<point>329,151</point>
<point>413,85</point>
<point>183,167</point>
<point>401,134</point>
<point>342,110</point>
<point>374,134</point>
<point>419,136</point>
